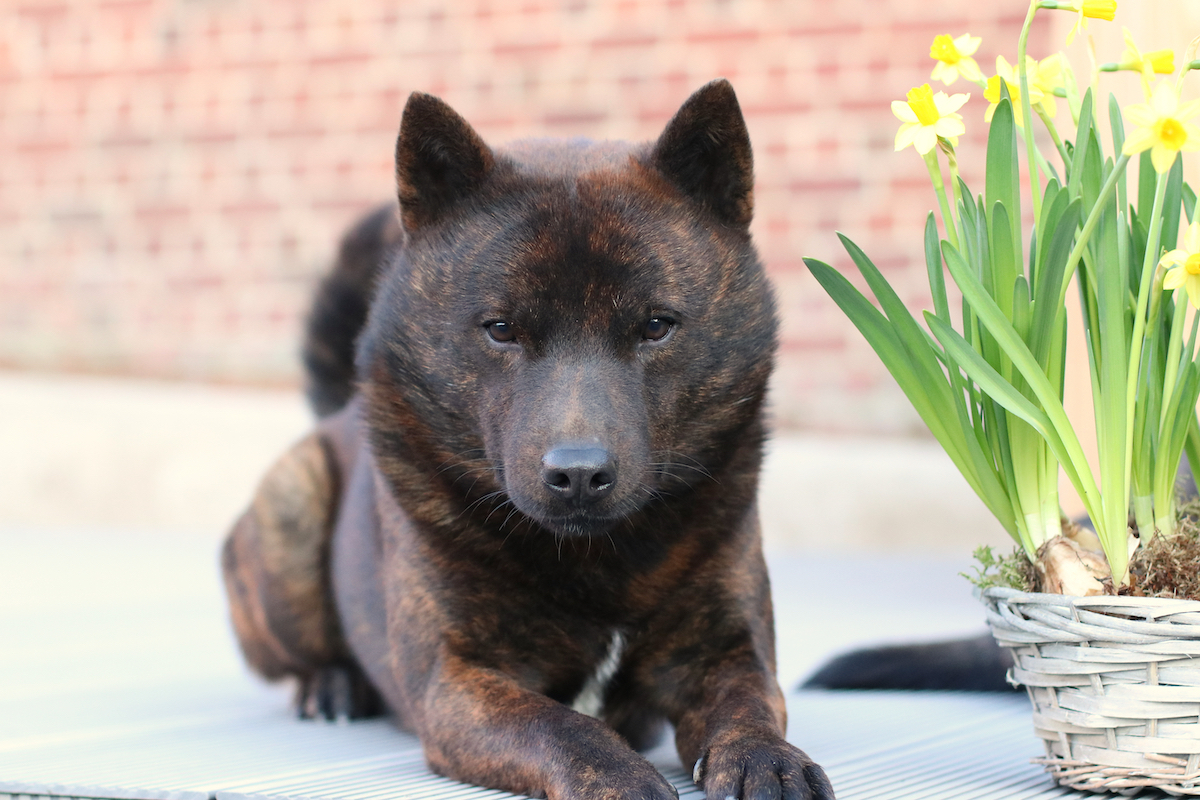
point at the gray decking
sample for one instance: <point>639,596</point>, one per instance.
<point>118,679</point>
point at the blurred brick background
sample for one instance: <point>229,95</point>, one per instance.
<point>174,174</point>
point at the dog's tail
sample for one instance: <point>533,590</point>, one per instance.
<point>339,309</point>
<point>972,665</point>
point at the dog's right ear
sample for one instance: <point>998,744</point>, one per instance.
<point>439,160</point>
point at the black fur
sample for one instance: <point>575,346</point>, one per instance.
<point>340,310</point>
<point>972,665</point>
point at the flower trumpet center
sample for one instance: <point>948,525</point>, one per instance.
<point>1192,265</point>
<point>920,100</point>
<point>1172,133</point>
<point>943,49</point>
<point>1100,9</point>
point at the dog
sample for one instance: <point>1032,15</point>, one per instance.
<point>525,524</point>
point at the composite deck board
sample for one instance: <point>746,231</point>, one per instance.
<point>120,679</point>
<point>875,745</point>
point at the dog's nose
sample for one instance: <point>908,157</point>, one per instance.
<point>579,473</point>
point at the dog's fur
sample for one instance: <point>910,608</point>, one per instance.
<point>534,496</point>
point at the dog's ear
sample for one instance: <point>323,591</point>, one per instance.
<point>440,159</point>
<point>705,151</point>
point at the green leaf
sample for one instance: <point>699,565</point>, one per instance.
<point>1048,310</point>
<point>996,387</point>
<point>930,395</point>
<point>1171,207</point>
<point>1117,123</point>
<point>1075,183</point>
<point>1074,462</point>
<point>1003,180</point>
<point>1189,203</point>
<point>933,265</point>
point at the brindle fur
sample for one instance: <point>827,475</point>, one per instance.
<point>417,534</point>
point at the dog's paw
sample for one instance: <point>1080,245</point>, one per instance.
<point>337,693</point>
<point>634,780</point>
<point>760,769</point>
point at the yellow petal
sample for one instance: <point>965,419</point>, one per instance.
<point>1174,278</point>
<point>1141,139</point>
<point>1172,257</point>
<point>944,72</point>
<point>904,136</point>
<point>967,44</point>
<point>1193,290</point>
<point>925,139</point>
<point>970,69</point>
<point>1141,115</point>
<point>948,105</point>
<point>1191,238</point>
<point>1162,157</point>
<point>1193,137</point>
<point>1188,110</point>
<point>949,127</point>
<point>1004,70</point>
<point>1164,101</point>
<point>903,111</point>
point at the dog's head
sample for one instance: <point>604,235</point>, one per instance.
<point>576,328</point>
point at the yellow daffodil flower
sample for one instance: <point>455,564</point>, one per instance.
<point>1095,9</point>
<point>927,116</point>
<point>954,58</point>
<point>1184,265</point>
<point>1134,60</point>
<point>1005,72</point>
<point>1045,76</point>
<point>1162,127</point>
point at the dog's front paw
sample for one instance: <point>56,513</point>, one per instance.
<point>760,768</point>
<point>337,693</point>
<point>634,780</point>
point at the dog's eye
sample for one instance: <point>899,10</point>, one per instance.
<point>500,331</point>
<point>657,328</point>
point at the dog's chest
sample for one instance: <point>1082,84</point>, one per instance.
<point>590,699</point>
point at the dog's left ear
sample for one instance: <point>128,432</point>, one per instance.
<point>440,160</point>
<point>705,152</point>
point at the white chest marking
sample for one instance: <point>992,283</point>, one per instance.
<point>590,699</point>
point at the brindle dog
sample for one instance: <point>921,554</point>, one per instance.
<point>527,522</point>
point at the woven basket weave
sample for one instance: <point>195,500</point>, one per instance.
<point>1115,685</point>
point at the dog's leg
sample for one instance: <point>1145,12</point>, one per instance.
<point>276,567</point>
<point>720,691</point>
<point>480,726</point>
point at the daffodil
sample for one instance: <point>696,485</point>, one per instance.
<point>1134,60</point>
<point>1005,72</point>
<point>1094,9</point>
<point>1184,265</point>
<point>1046,76</point>
<point>954,58</point>
<point>1162,127</point>
<point>927,116</point>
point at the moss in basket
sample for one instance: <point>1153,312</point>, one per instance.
<point>989,380</point>
<point>1013,571</point>
<point>1170,566</point>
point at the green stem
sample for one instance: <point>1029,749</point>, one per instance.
<point>1139,330</point>
<point>1027,129</point>
<point>1174,353</point>
<point>939,187</point>
<point>1049,123</point>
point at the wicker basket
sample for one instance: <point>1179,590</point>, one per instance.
<point>1115,685</point>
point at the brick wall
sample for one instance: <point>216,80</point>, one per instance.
<point>174,173</point>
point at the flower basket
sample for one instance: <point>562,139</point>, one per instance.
<point>1114,682</point>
